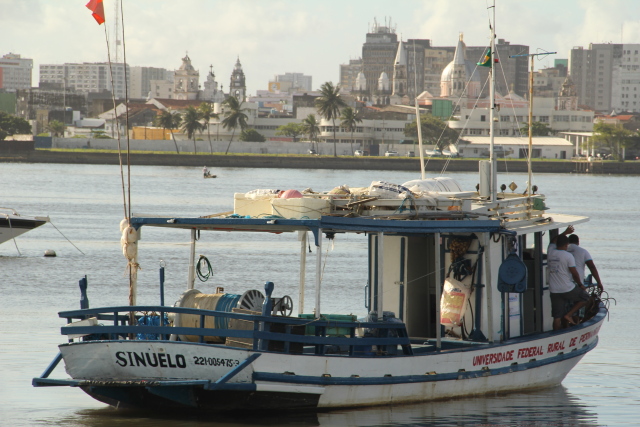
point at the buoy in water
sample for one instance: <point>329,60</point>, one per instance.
<point>50,252</point>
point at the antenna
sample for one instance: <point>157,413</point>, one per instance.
<point>542,55</point>
<point>116,28</point>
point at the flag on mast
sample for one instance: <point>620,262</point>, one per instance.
<point>486,61</point>
<point>97,8</point>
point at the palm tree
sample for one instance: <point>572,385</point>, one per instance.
<point>349,121</point>
<point>169,121</point>
<point>311,127</point>
<point>56,127</point>
<point>329,104</point>
<point>191,124</point>
<point>206,114</point>
<point>235,116</point>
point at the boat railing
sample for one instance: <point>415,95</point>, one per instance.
<point>250,331</point>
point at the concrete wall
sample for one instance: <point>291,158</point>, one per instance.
<point>186,146</point>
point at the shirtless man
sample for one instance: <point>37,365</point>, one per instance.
<point>564,281</point>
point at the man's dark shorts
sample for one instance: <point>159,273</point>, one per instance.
<point>559,301</point>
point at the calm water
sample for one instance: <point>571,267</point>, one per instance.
<point>85,204</point>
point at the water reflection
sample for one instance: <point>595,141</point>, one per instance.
<point>549,407</point>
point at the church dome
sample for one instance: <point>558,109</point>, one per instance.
<point>383,81</point>
<point>361,81</point>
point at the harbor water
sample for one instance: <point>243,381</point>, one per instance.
<point>85,204</point>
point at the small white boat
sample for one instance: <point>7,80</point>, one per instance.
<point>12,224</point>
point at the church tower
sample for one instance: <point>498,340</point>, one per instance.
<point>568,97</point>
<point>400,72</point>
<point>459,77</point>
<point>186,81</point>
<point>211,91</point>
<point>237,85</point>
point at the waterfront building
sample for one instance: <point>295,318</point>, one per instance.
<point>15,72</point>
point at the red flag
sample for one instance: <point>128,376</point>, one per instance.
<point>97,8</point>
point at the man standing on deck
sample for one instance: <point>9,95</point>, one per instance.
<point>583,257</point>
<point>564,281</point>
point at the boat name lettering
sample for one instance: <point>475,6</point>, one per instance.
<point>487,359</point>
<point>215,361</point>
<point>529,352</point>
<point>588,335</point>
<point>556,346</point>
<point>143,358</point>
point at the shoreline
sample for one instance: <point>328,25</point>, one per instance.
<point>313,162</point>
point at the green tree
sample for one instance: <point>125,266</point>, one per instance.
<point>56,128</point>
<point>206,114</point>
<point>537,129</point>
<point>311,128</point>
<point>234,116</point>
<point>169,121</point>
<point>292,129</point>
<point>349,120</point>
<point>251,135</point>
<point>329,104</point>
<point>12,125</point>
<point>191,124</point>
<point>434,131</point>
<point>613,137</point>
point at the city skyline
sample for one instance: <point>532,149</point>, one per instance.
<point>287,36</point>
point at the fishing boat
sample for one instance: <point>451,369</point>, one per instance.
<point>457,304</point>
<point>12,224</point>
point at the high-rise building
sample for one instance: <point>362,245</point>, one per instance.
<point>607,76</point>
<point>511,73</point>
<point>379,52</point>
<point>87,77</point>
<point>15,72</point>
<point>298,81</point>
<point>348,74</point>
<point>141,78</point>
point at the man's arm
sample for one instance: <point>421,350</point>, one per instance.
<point>594,272</point>
<point>569,230</point>
<point>576,276</point>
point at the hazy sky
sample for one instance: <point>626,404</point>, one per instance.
<point>312,37</point>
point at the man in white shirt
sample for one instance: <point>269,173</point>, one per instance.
<point>583,257</point>
<point>564,281</point>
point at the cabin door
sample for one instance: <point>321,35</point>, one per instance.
<point>420,314</point>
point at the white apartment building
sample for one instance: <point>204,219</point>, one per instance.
<point>607,76</point>
<point>15,72</point>
<point>87,77</point>
<point>513,116</point>
<point>386,133</point>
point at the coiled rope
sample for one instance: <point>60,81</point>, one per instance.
<point>203,262</point>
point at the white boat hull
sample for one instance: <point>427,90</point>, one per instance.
<point>105,369</point>
<point>12,226</point>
